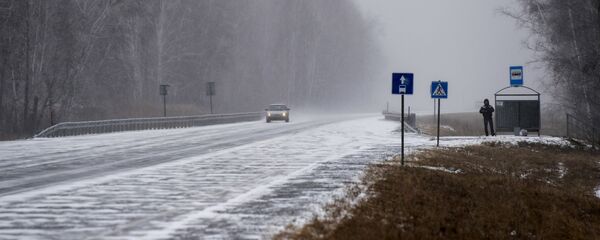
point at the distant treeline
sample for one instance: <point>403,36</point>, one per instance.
<point>566,38</point>
<point>71,60</point>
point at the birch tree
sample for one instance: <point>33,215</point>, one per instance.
<point>103,59</point>
<point>566,38</point>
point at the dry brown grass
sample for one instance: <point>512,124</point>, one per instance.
<point>496,192</point>
<point>471,124</point>
<point>462,124</point>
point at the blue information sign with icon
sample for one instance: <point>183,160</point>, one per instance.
<point>439,89</point>
<point>516,75</point>
<point>402,83</point>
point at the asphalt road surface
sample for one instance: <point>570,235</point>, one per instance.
<point>233,181</point>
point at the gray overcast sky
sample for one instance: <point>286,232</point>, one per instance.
<point>465,42</point>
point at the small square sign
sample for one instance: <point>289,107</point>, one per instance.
<point>163,89</point>
<point>439,89</point>
<point>402,83</point>
<point>210,88</point>
<point>516,75</point>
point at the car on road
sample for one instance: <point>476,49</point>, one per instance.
<point>278,112</point>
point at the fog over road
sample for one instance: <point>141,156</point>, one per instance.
<point>244,180</point>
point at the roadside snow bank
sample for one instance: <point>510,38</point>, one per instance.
<point>515,140</point>
<point>443,169</point>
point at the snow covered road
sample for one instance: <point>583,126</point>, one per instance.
<point>244,180</point>
<point>234,181</point>
<point>41,162</point>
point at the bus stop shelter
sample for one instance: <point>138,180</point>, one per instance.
<point>517,108</point>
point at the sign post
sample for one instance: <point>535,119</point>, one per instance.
<point>439,91</point>
<point>402,84</point>
<point>516,76</point>
<point>163,92</point>
<point>210,91</point>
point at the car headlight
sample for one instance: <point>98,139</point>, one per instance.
<point>269,114</point>
<point>284,114</point>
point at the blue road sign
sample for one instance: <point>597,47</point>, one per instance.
<point>516,75</point>
<point>402,83</point>
<point>439,89</point>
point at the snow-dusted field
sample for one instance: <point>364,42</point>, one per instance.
<point>245,180</point>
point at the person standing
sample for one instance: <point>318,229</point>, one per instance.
<point>486,110</point>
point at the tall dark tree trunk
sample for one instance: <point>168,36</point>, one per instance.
<point>27,68</point>
<point>598,11</point>
<point>598,17</point>
<point>3,70</point>
<point>33,117</point>
<point>4,67</point>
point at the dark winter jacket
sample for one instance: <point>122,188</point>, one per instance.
<point>487,111</point>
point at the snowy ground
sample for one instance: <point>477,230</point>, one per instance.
<point>241,181</point>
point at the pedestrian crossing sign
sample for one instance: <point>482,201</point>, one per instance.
<point>439,89</point>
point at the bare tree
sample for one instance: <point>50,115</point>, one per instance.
<point>98,59</point>
<point>566,38</point>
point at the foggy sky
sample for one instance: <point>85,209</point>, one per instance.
<point>466,42</point>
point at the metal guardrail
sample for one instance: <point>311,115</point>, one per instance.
<point>120,125</point>
<point>410,119</point>
<point>577,129</point>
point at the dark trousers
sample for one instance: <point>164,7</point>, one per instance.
<point>490,122</point>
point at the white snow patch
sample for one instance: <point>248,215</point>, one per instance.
<point>562,170</point>
<point>448,128</point>
<point>211,212</point>
<point>598,189</point>
<point>525,175</point>
<point>514,140</point>
<point>443,169</point>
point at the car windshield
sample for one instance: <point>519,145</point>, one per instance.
<point>277,107</point>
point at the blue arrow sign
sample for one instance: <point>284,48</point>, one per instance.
<point>402,83</point>
<point>516,75</point>
<point>439,89</point>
